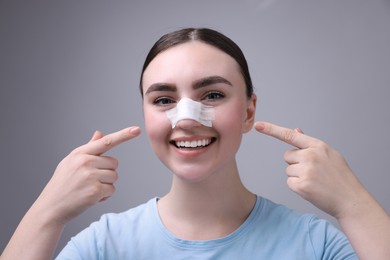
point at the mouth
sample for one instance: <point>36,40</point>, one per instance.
<point>193,144</point>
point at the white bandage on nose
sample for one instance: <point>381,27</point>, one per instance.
<point>190,109</point>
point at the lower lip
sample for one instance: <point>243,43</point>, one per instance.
<point>191,152</point>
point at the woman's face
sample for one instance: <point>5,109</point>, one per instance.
<point>205,74</point>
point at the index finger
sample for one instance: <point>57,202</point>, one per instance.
<point>107,142</point>
<point>286,135</point>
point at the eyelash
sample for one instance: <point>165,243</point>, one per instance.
<point>210,96</point>
<point>159,101</point>
<point>213,93</point>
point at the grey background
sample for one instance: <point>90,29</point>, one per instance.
<point>71,67</point>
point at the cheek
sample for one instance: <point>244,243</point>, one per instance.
<point>228,123</point>
<point>230,119</point>
<point>157,125</point>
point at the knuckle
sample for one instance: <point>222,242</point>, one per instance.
<point>289,135</point>
<point>289,170</point>
<point>79,150</point>
<point>107,192</point>
<point>304,188</point>
<point>107,141</point>
<point>85,175</point>
<point>323,147</point>
<point>85,160</point>
<point>311,157</point>
<point>115,176</point>
<point>289,155</point>
<point>112,189</point>
<point>311,170</point>
<point>94,190</point>
<point>76,151</point>
<point>115,163</point>
<point>286,155</point>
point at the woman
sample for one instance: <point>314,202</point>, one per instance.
<point>198,102</point>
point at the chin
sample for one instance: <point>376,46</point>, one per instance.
<point>192,174</point>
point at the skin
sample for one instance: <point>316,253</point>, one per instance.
<point>181,70</point>
<point>320,175</point>
<point>82,179</point>
<point>204,192</point>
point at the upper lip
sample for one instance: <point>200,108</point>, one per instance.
<point>190,138</point>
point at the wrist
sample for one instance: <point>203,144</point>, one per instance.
<point>360,206</point>
<point>46,215</point>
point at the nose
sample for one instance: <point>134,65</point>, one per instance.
<point>187,124</point>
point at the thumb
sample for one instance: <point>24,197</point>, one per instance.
<point>298,130</point>
<point>96,135</point>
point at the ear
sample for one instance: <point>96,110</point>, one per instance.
<point>250,114</point>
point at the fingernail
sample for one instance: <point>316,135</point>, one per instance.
<point>260,126</point>
<point>134,130</point>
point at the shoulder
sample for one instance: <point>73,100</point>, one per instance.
<point>133,214</point>
<point>273,212</point>
<point>131,221</point>
<point>282,217</point>
<point>293,229</point>
<point>112,231</point>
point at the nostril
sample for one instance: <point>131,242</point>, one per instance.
<point>187,124</point>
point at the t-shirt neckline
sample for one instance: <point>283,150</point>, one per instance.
<point>206,244</point>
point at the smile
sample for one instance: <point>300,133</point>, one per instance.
<point>193,143</point>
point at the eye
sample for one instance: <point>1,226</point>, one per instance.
<point>213,95</point>
<point>163,101</point>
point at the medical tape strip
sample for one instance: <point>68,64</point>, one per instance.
<point>190,109</point>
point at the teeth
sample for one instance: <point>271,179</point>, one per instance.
<point>193,144</point>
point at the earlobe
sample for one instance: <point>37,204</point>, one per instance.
<point>250,113</point>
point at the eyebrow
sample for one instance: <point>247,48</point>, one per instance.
<point>200,83</point>
<point>160,87</point>
<point>204,82</point>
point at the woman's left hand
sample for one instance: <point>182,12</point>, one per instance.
<point>316,171</point>
<point>319,174</point>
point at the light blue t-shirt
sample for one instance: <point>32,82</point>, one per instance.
<point>271,231</point>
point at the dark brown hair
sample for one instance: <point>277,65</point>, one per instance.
<point>207,36</point>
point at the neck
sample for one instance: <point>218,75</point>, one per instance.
<point>207,209</point>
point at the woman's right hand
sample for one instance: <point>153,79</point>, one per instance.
<point>84,177</point>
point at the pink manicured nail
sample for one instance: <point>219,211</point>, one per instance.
<point>260,126</point>
<point>134,130</point>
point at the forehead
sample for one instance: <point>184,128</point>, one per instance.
<point>189,61</point>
